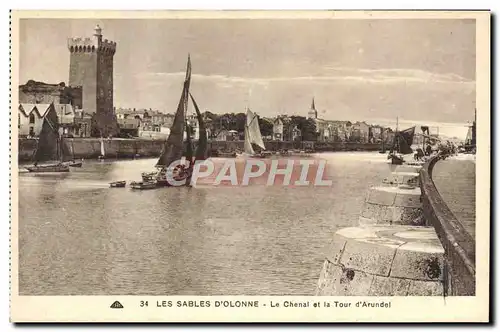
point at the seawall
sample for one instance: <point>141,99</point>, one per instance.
<point>459,245</point>
<point>89,148</point>
<point>407,242</point>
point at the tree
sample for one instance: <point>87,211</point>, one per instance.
<point>266,126</point>
<point>305,125</point>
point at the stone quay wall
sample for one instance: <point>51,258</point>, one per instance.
<point>407,242</point>
<point>459,245</point>
<point>392,251</point>
<point>90,148</point>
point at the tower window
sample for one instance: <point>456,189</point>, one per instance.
<point>32,118</point>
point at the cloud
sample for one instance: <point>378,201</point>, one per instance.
<point>330,75</point>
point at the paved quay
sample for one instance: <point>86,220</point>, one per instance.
<point>455,179</point>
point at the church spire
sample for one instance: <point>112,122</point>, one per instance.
<point>313,114</point>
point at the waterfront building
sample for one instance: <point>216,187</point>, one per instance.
<point>71,122</point>
<point>375,133</point>
<point>296,134</point>
<point>360,132</point>
<point>31,116</point>
<point>83,123</point>
<point>91,67</point>
<point>66,119</point>
<point>129,127</point>
<point>34,92</point>
<point>227,135</point>
<point>156,132</point>
<point>278,129</point>
<point>192,121</point>
<point>388,135</point>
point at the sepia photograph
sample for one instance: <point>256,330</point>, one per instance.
<point>213,158</point>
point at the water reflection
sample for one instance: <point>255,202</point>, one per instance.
<point>77,236</point>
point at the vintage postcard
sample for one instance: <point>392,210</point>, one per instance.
<point>250,166</point>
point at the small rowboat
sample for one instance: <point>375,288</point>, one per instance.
<point>75,164</point>
<point>143,185</point>
<point>53,168</point>
<point>117,184</point>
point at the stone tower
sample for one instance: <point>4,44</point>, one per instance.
<point>91,67</point>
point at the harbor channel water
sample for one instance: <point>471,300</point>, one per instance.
<point>77,236</point>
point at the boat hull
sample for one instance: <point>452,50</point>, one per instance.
<point>143,185</point>
<point>226,154</point>
<point>395,160</point>
<point>75,164</point>
<point>57,168</point>
<point>118,184</point>
<point>254,156</point>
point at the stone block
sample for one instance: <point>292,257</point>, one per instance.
<point>380,213</point>
<point>402,178</point>
<point>347,282</point>
<point>336,249</point>
<point>407,216</point>
<point>387,286</point>
<point>408,198</point>
<point>381,196</point>
<point>425,288</point>
<point>328,277</point>
<point>367,221</point>
<point>421,260</point>
<point>371,257</point>
<point>408,168</point>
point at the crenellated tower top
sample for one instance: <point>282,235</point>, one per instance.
<point>91,45</point>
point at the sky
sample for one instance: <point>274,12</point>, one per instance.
<point>422,71</point>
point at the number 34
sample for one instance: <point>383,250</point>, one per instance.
<point>144,303</point>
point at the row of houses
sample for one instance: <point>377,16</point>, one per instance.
<point>72,122</point>
<point>153,124</point>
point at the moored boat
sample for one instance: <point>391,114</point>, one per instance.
<point>143,185</point>
<point>401,145</point>
<point>52,153</point>
<point>173,149</point>
<point>118,184</point>
<point>75,164</point>
<point>50,168</point>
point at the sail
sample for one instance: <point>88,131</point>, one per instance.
<point>253,130</point>
<point>66,154</point>
<point>189,145</point>
<point>201,149</point>
<point>468,138</point>
<point>173,148</point>
<point>48,143</point>
<point>103,153</point>
<point>248,149</point>
<point>408,135</point>
<point>403,141</point>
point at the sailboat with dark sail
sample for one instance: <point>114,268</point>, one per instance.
<point>202,148</point>
<point>401,145</point>
<point>173,150</point>
<point>52,153</point>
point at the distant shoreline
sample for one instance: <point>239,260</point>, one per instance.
<point>140,148</point>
